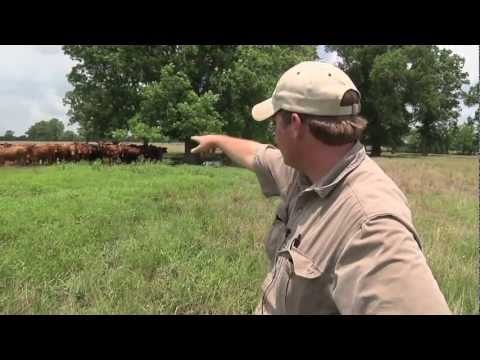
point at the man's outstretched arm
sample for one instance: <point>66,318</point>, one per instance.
<point>240,151</point>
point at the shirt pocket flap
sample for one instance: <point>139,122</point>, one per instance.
<point>303,266</point>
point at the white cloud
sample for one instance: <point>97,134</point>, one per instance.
<point>32,85</point>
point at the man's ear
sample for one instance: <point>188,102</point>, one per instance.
<point>297,125</point>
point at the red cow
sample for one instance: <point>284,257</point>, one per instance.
<point>130,153</point>
<point>83,151</point>
<point>65,152</point>
<point>153,152</point>
<point>94,152</point>
<point>111,152</point>
<point>43,153</point>
<point>15,153</point>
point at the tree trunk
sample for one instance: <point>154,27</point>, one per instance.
<point>247,130</point>
<point>376,150</point>
<point>189,157</point>
<point>425,150</point>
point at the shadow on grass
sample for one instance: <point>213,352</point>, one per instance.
<point>181,159</point>
<point>388,155</point>
<point>399,156</point>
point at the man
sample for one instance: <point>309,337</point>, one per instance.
<point>343,241</point>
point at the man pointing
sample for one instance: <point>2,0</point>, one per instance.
<point>343,239</point>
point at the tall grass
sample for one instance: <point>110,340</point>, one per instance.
<point>158,239</point>
<point>130,239</point>
<point>443,195</point>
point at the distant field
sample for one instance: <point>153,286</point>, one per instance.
<point>159,239</point>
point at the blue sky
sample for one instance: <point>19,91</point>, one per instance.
<point>33,82</point>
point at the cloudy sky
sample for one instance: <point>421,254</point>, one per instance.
<point>33,83</point>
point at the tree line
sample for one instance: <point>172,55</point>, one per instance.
<point>45,130</point>
<point>411,94</point>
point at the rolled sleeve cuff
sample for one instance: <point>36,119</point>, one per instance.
<point>262,170</point>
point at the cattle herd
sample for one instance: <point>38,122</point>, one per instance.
<point>47,154</point>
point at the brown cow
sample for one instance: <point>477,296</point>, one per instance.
<point>28,148</point>
<point>15,153</point>
<point>66,152</point>
<point>111,152</point>
<point>130,153</point>
<point>44,154</point>
<point>83,152</point>
<point>95,152</point>
<point>153,152</point>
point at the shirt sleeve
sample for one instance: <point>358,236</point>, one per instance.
<point>272,173</point>
<point>383,271</point>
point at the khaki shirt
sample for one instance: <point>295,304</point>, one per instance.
<point>345,245</point>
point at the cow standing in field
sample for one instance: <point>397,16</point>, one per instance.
<point>43,154</point>
<point>154,153</point>
<point>111,152</point>
<point>83,152</point>
<point>66,152</point>
<point>130,153</point>
<point>78,151</point>
<point>16,154</point>
<point>94,152</point>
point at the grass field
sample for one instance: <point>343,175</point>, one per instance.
<point>443,195</point>
<point>159,239</point>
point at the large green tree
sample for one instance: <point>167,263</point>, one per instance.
<point>107,84</point>
<point>472,99</point>
<point>219,84</point>
<point>251,78</point>
<point>404,86</point>
<point>9,135</point>
<point>435,93</point>
<point>379,91</point>
<point>172,104</point>
<point>464,139</point>
<point>46,130</point>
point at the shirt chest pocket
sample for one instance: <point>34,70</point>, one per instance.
<point>300,283</point>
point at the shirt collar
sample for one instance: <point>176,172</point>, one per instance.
<point>347,164</point>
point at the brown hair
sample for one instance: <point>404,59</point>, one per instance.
<point>334,130</point>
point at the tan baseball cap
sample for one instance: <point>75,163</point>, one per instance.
<point>311,87</point>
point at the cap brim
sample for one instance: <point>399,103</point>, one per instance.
<point>263,110</point>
